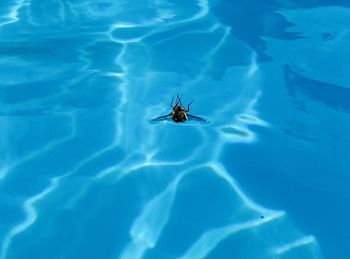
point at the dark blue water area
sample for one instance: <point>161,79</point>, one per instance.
<point>307,163</point>
<point>86,171</point>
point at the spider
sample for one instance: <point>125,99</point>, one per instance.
<point>179,113</point>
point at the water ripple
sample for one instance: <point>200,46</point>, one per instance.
<point>142,83</point>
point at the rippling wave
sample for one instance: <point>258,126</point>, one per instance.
<point>84,174</point>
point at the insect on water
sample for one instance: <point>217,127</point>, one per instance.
<point>179,113</point>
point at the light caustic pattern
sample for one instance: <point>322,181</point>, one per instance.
<point>108,141</point>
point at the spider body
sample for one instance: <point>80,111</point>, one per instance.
<point>179,112</point>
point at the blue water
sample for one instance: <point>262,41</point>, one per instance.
<point>85,175</point>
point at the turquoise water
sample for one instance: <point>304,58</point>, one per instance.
<point>85,175</point>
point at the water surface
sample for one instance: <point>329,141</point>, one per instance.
<point>84,174</point>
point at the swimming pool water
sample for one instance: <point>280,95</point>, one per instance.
<point>85,175</point>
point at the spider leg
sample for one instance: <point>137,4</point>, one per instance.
<point>196,118</point>
<point>188,106</point>
<point>162,118</point>
<point>178,100</point>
